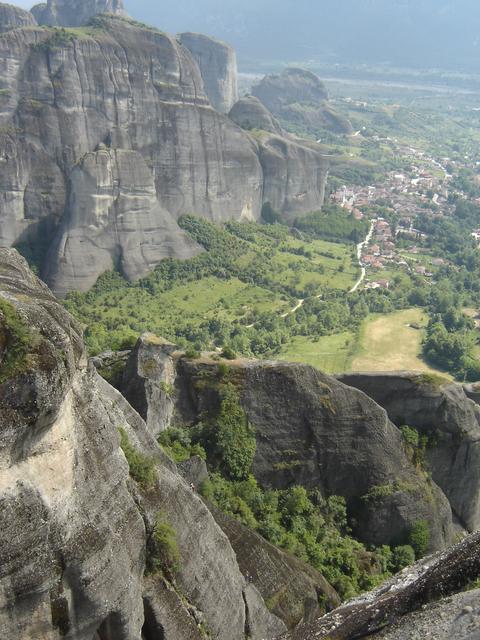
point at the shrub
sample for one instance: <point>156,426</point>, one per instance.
<point>16,340</point>
<point>235,442</point>
<point>192,354</point>
<point>142,468</point>
<point>419,538</point>
<point>177,443</point>
<point>164,554</point>
<point>410,436</point>
<point>403,556</point>
<point>228,353</point>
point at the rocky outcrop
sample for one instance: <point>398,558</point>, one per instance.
<point>299,96</point>
<point>74,13</point>
<point>76,528</point>
<point>13,18</point>
<point>149,381</point>
<point>431,579</point>
<point>113,219</point>
<point>107,138</point>
<point>448,419</point>
<point>294,591</point>
<point>295,174</point>
<point>249,113</point>
<point>311,430</point>
<point>218,66</point>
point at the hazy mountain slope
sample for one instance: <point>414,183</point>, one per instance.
<point>435,33</point>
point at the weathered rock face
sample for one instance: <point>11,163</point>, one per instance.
<point>299,96</point>
<point>311,430</point>
<point>218,66</point>
<point>74,13</point>
<point>113,218</point>
<point>295,175</point>
<point>135,90</point>
<point>430,579</point>
<point>13,18</point>
<point>249,113</point>
<point>149,381</point>
<point>107,137</point>
<point>75,527</point>
<point>450,421</point>
<point>293,589</point>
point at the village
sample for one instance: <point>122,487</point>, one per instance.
<point>425,186</point>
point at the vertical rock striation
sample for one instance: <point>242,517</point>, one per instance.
<point>218,66</point>
<point>75,527</point>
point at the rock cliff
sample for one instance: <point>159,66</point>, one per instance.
<point>74,13</point>
<point>13,18</point>
<point>310,429</point>
<point>450,423</point>
<point>86,113</point>
<point>392,611</point>
<point>299,96</point>
<point>76,529</point>
<point>218,66</point>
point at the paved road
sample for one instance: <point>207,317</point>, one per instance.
<point>359,255</point>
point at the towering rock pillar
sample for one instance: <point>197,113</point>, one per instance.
<point>218,66</point>
<point>74,13</point>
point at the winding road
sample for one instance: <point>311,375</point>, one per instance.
<point>359,256</point>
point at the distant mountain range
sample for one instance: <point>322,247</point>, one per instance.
<point>413,33</point>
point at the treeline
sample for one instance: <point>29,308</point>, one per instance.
<point>333,223</point>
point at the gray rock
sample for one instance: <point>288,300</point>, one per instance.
<point>394,608</point>
<point>449,419</point>
<point>149,381</point>
<point>97,165</point>
<point>218,66</point>
<point>295,174</point>
<point>260,622</point>
<point>294,591</point>
<point>299,96</point>
<point>74,13</point>
<point>83,92</point>
<point>75,527</point>
<point>249,113</point>
<point>12,17</point>
<point>311,430</point>
<point>114,219</point>
<point>193,471</point>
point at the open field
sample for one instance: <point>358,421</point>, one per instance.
<point>329,353</point>
<point>388,343</point>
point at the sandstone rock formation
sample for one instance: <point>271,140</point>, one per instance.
<point>436,577</point>
<point>74,13</point>
<point>13,17</point>
<point>299,96</point>
<point>218,66</point>
<point>311,430</point>
<point>81,111</point>
<point>450,421</point>
<point>75,528</point>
